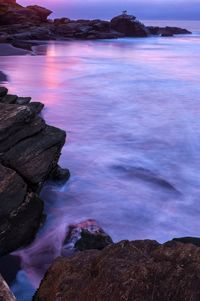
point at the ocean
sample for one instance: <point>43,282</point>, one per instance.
<point>131,110</point>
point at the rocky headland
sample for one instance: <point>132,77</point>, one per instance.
<point>23,27</point>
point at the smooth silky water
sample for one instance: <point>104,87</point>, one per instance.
<point>131,110</point>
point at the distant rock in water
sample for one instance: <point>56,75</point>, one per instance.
<point>133,271</point>
<point>167,31</point>
<point>129,26</point>
<point>86,235</point>
<point>3,78</point>
<point>22,26</point>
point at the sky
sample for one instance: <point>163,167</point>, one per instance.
<point>106,9</point>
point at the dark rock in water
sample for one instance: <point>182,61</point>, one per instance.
<point>16,124</point>
<point>60,174</point>
<point>36,107</point>
<point>12,190</point>
<point>129,26</point>
<point>20,227</point>
<point>167,31</point>
<point>29,151</point>
<point>17,14</point>
<point>40,11</point>
<point>5,292</point>
<point>167,34</point>
<point>20,211</point>
<point>188,240</point>
<point>3,91</point>
<point>85,236</point>
<point>35,157</point>
<point>9,99</point>
<point>137,270</point>
<point>61,21</point>
<point>10,274</point>
<point>93,240</point>
<point>3,78</point>
<point>23,100</point>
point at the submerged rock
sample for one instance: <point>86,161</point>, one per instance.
<point>133,271</point>
<point>86,235</point>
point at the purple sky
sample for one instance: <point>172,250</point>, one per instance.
<point>143,9</point>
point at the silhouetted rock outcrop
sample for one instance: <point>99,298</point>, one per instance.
<point>129,26</point>
<point>132,271</point>
<point>21,26</point>
<point>167,31</point>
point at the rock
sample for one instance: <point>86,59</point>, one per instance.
<point>61,21</point>
<point>40,11</point>
<point>129,26</point>
<point>35,157</point>
<point>5,292</point>
<point>19,228</point>
<point>167,34</point>
<point>85,236</point>
<point>20,211</point>
<point>16,14</point>
<point>23,100</point>
<point>3,78</point>
<point>189,240</point>
<point>137,270</point>
<point>12,190</point>
<point>17,123</point>
<point>3,91</point>
<point>35,107</point>
<point>9,99</point>
<point>167,31</point>
<point>60,174</point>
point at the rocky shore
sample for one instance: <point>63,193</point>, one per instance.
<point>129,270</point>
<point>133,271</point>
<point>29,154</point>
<point>23,27</point>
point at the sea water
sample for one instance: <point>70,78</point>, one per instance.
<point>131,110</point>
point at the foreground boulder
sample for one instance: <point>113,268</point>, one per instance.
<point>133,271</point>
<point>5,292</point>
<point>129,26</point>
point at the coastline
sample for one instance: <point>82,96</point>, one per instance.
<point>144,247</point>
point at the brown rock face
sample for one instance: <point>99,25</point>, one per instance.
<point>132,271</point>
<point>7,1</point>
